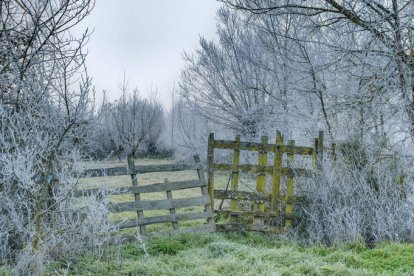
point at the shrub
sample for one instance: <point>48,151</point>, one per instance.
<point>357,198</point>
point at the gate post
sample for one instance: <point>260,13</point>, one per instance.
<point>319,156</point>
<point>277,173</point>
<point>210,168</point>
<point>261,173</point>
<point>235,173</point>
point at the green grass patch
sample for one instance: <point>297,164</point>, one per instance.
<point>245,254</point>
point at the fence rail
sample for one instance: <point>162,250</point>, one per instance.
<point>117,171</point>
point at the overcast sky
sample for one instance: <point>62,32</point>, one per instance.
<point>146,39</point>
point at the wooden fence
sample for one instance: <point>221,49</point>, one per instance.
<point>271,211</point>
<point>169,203</point>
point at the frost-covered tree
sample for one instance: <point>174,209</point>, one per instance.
<point>372,43</point>
<point>44,114</point>
<point>131,124</point>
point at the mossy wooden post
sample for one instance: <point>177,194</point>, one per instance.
<point>290,185</point>
<point>172,210</point>
<point>315,154</point>
<point>210,168</point>
<point>277,173</point>
<point>261,172</point>
<point>140,213</point>
<point>204,190</point>
<point>235,173</point>
<point>320,152</point>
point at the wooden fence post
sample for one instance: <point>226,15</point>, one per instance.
<point>210,168</point>
<point>277,173</point>
<point>131,170</point>
<point>261,177</point>
<point>235,173</point>
<point>204,190</point>
<point>290,185</point>
<point>315,154</point>
<point>320,151</point>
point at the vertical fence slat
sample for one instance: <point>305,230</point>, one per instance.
<point>261,177</point>
<point>277,172</point>
<point>235,173</point>
<point>210,168</point>
<point>290,186</point>
<point>172,210</point>
<point>140,213</point>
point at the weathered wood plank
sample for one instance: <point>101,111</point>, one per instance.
<point>277,173</point>
<point>246,213</point>
<point>314,155</point>
<point>255,169</point>
<point>251,196</point>
<point>167,168</point>
<point>152,188</point>
<point>174,223</point>
<point>253,146</point>
<point>261,177</point>
<point>210,168</point>
<point>235,172</point>
<point>289,188</point>
<point>158,204</point>
<point>170,186</point>
<point>241,195</point>
<point>164,219</point>
<point>117,171</point>
<point>204,190</point>
<point>320,151</point>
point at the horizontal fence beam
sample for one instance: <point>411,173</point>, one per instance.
<point>117,171</point>
<point>152,188</point>
<point>241,195</point>
<point>163,219</point>
<point>250,196</point>
<point>158,204</point>
<point>267,169</point>
<point>167,168</point>
<point>252,146</point>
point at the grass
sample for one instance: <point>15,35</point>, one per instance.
<point>244,254</point>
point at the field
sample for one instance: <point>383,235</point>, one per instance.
<point>228,253</point>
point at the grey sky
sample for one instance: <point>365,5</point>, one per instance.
<point>146,38</point>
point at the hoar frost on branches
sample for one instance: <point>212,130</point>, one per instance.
<point>43,121</point>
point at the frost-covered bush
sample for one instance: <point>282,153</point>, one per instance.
<point>44,118</point>
<point>358,198</point>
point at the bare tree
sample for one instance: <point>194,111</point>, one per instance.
<point>131,123</point>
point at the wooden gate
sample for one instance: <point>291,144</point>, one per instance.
<point>272,211</point>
